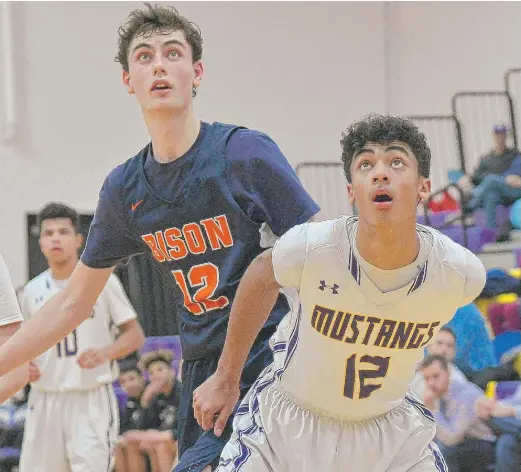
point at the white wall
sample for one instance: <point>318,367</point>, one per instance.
<point>299,71</point>
<point>439,48</point>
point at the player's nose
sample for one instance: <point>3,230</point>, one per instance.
<point>380,173</point>
<point>159,66</point>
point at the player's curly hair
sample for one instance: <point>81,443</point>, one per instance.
<point>157,19</point>
<point>383,129</point>
<point>161,355</point>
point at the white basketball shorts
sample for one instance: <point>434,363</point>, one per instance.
<point>70,432</point>
<point>272,433</point>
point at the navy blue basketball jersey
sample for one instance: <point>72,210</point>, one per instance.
<point>199,217</point>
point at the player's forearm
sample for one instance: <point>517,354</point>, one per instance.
<point>256,295</point>
<point>13,382</point>
<point>126,343</point>
<point>55,320</point>
<point>18,378</point>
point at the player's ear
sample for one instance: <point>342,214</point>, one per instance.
<point>350,194</point>
<point>424,189</point>
<point>126,81</point>
<point>199,71</point>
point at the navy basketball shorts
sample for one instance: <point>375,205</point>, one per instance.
<point>199,448</point>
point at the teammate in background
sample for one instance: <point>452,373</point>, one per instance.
<point>195,198</point>
<point>72,421</point>
<point>373,291</point>
<point>10,320</point>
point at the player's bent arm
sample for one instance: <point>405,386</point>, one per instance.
<point>18,378</point>
<point>130,339</point>
<point>64,312</point>
<point>256,296</point>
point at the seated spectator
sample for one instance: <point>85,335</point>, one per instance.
<point>474,349</point>
<point>131,416</point>
<point>157,439</point>
<point>496,180</point>
<point>468,444</point>
<point>444,344</point>
<point>133,383</point>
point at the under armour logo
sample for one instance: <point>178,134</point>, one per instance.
<point>334,288</point>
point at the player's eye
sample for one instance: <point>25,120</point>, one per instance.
<point>397,163</point>
<point>173,54</point>
<point>144,56</point>
<point>365,165</point>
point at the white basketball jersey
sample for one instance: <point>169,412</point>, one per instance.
<point>59,367</point>
<point>347,350</point>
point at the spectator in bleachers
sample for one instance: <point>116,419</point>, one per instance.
<point>445,344</point>
<point>133,383</point>
<point>131,418</point>
<point>467,442</point>
<point>496,180</point>
<point>159,402</point>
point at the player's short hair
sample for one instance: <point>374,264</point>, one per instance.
<point>431,359</point>
<point>161,355</point>
<point>382,129</point>
<point>449,330</point>
<point>54,210</point>
<point>154,19</point>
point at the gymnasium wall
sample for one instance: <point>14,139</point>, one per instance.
<point>439,48</point>
<point>299,71</point>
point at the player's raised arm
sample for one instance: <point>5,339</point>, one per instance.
<point>57,318</point>
<point>256,295</point>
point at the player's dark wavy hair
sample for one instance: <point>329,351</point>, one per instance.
<point>157,19</point>
<point>382,130</point>
<point>54,210</point>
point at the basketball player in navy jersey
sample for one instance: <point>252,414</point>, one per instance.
<point>195,198</point>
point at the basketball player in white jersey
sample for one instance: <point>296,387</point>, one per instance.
<point>10,320</point>
<point>72,422</point>
<point>373,291</point>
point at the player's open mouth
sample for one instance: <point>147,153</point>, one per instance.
<point>382,200</point>
<point>160,85</point>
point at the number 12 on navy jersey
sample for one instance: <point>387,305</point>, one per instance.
<point>204,278</point>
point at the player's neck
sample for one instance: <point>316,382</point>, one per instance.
<point>388,247</point>
<point>172,134</point>
<point>63,271</point>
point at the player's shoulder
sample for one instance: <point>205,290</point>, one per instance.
<point>125,173</point>
<point>452,255</point>
<point>36,285</point>
<point>245,144</point>
<point>319,233</point>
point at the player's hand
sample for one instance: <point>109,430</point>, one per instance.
<point>34,372</point>
<point>214,402</point>
<point>92,358</point>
